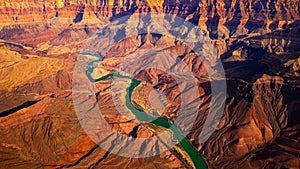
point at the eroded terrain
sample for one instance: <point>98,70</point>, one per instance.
<point>257,42</point>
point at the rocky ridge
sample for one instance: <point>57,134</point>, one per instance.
<point>256,40</point>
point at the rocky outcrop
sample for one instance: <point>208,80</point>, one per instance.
<point>221,19</point>
<point>257,42</point>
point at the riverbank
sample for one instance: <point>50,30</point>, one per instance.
<point>196,159</point>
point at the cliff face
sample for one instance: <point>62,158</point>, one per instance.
<point>221,18</point>
<point>257,40</point>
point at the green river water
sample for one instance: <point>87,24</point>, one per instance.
<point>142,116</point>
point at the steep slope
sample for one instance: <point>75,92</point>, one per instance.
<point>257,41</point>
<point>222,18</point>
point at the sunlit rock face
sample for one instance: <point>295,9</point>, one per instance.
<point>222,18</point>
<point>257,41</point>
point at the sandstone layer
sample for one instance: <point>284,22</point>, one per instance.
<point>256,40</point>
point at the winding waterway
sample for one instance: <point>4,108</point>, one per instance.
<point>142,116</point>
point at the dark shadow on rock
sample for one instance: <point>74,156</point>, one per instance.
<point>22,106</point>
<point>79,14</point>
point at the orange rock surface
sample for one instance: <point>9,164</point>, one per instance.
<point>257,41</point>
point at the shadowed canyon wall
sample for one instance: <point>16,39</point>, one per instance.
<point>257,40</point>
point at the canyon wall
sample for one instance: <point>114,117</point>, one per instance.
<point>221,18</point>
<point>257,40</point>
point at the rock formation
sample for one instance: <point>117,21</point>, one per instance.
<point>257,41</point>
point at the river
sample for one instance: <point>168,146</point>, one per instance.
<point>142,116</point>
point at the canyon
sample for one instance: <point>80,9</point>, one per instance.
<point>256,40</point>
